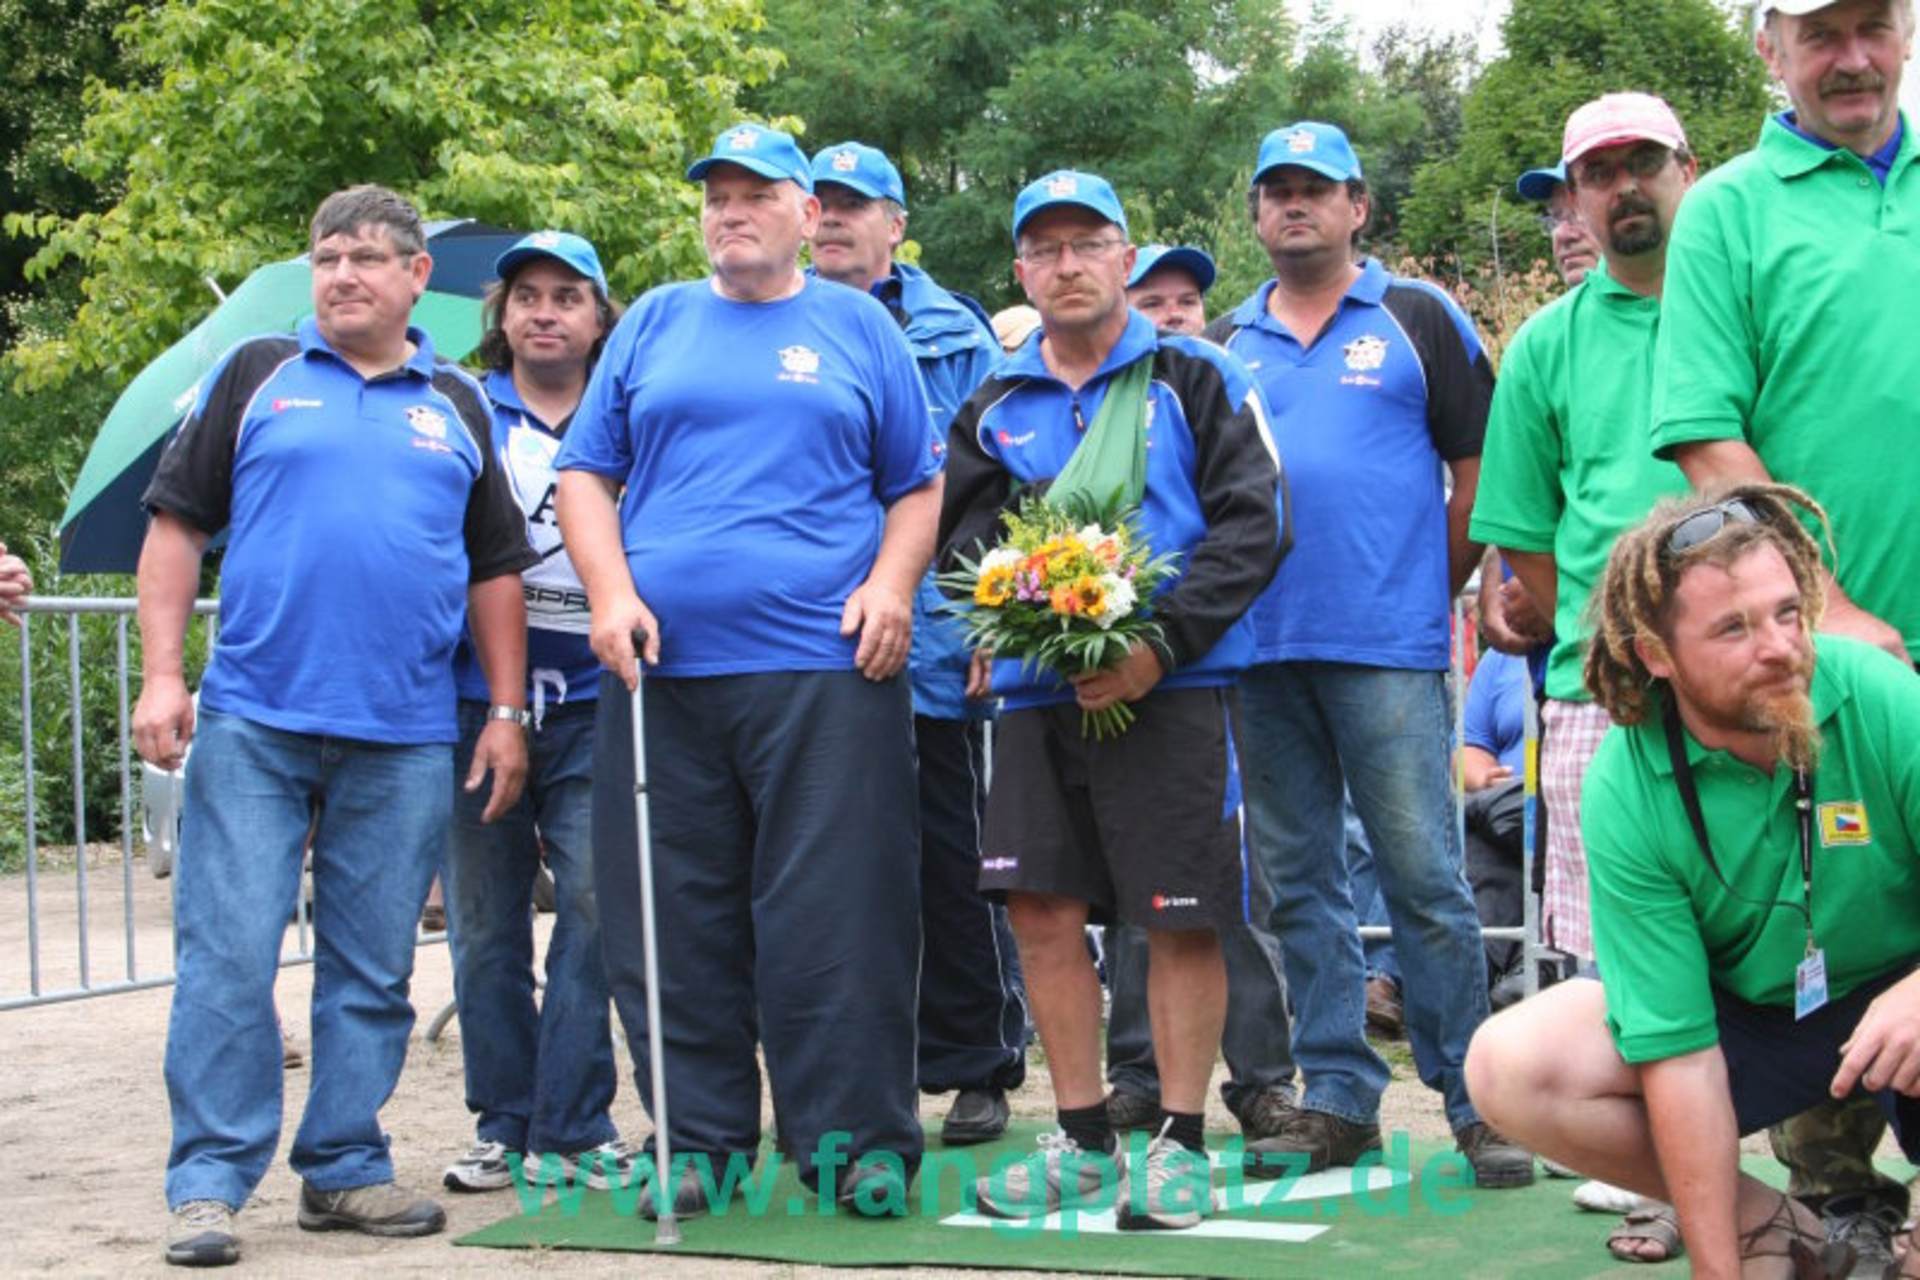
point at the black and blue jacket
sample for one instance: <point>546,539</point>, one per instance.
<point>1214,491</point>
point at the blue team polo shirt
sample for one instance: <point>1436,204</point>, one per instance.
<point>760,444</point>
<point>561,667</point>
<point>1394,386</point>
<point>1496,712</point>
<point>357,513</point>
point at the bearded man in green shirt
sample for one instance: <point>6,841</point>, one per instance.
<point>1752,825</point>
<point>1783,342</point>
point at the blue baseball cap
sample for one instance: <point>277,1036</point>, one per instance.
<point>861,168</point>
<point>758,149</point>
<point>1195,262</point>
<point>1064,187</point>
<point>573,252</point>
<point>1323,148</point>
<point>1538,184</point>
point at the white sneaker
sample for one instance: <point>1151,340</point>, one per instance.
<point>608,1165</point>
<point>1596,1196</point>
<point>483,1168</point>
<point>1178,1192</point>
<point>1059,1173</point>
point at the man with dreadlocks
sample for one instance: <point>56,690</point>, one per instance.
<point>1753,845</point>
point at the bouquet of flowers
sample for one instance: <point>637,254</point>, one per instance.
<point>1066,590</point>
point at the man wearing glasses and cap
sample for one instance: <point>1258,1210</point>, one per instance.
<point>973,1011</point>
<point>1751,833</point>
<point>753,481</point>
<point>1574,248</point>
<point>1144,827</point>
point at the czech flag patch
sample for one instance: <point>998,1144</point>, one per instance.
<point>1844,822</point>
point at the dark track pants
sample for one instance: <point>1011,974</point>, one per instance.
<point>788,890</point>
<point>973,1004</point>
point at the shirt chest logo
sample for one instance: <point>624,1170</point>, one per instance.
<point>1844,822</point>
<point>1007,438</point>
<point>1364,355</point>
<point>799,363</point>
<point>294,402</point>
<point>428,421</point>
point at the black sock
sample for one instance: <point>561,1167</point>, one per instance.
<point>1186,1128</point>
<point>1088,1126</point>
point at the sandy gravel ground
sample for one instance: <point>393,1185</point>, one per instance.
<point>83,1114</point>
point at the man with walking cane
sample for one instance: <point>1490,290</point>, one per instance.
<point>770,529</point>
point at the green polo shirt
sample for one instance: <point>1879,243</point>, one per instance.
<point>1566,467</point>
<point>1792,283</point>
<point>1666,931</point>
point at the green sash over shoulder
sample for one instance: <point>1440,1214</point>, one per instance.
<point>1108,469</point>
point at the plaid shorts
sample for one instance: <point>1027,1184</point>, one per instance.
<point>1570,734</point>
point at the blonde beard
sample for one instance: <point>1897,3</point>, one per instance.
<point>1791,732</point>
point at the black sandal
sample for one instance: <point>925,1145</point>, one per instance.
<point>1814,1257</point>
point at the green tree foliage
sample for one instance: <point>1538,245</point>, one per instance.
<point>1559,54</point>
<point>53,48</point>
<point>241,115</point>
<point>974,98</point>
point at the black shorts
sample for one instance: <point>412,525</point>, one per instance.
<point>1778,1068</point>
<point>1147,828</point>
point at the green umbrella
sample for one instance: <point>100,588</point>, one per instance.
<point>104,523</point>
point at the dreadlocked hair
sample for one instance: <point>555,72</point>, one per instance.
<point>1634,600</point>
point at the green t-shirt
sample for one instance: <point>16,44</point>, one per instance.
<point>1566,467</point>
<point>1793,279</point>
<point>1666,930</point>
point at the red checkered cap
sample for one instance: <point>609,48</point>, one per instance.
<point>1620,117</point>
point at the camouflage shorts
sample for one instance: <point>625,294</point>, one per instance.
<point>1829,1150</point>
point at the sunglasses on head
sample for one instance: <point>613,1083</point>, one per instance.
<point>1701,526</point>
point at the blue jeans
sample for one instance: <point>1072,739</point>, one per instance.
<point>1310,728</point>
<point>540,1079</point>
<point>1368,906</point>
<point>251,793</point>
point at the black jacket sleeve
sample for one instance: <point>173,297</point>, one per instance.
<point>194,478</point>
<point>495,529</point>
<point>1237,477</point>
<point>978,487</point>
<point>1459,375</point>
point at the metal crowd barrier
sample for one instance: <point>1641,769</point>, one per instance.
<point>159,800</point>
<point>130,975</point>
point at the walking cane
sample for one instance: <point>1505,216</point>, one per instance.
<point>666,1231</point>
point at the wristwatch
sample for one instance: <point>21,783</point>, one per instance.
<point>519,715</point>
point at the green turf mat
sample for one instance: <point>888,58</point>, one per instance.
<point>1416,1214</point>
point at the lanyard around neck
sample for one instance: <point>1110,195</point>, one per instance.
<point>1690,798</point>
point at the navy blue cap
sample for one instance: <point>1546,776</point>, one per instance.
<point>758,149</point>
<point>1195,262</point>
<point>1064,187</point>
<point>1323,148</point>
<point>861,168</point>
<point>1538,184</point>
<point>569,250</point>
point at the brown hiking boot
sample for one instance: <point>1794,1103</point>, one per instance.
<point>1308,1142</point>
<point>1497,1161</point>
<point>1385,1015</point>
<point>1127,1110</point>
<point>1265,1113</point>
